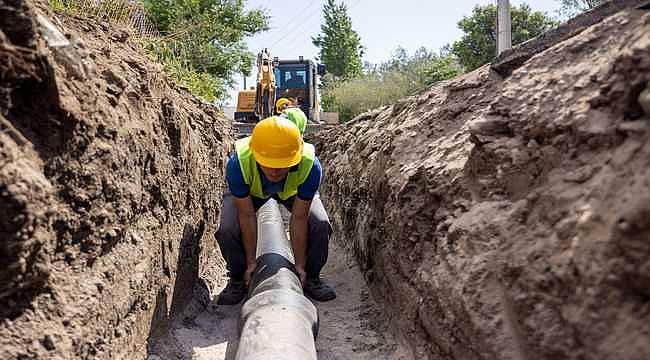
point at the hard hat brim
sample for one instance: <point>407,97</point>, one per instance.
<point>281,103</point>
<point>278,163</point>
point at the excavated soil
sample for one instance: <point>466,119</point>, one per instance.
<point>110,185</point>
<point>510,218</point>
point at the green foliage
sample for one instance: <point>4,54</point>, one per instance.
<point>58,5</point>
<point>443,67</point>
<point>385,83</point>
<point>205,41</point>
<point>200,83</point>
<point>478,44</point>
<point>203,45</point>
<point>340,46</point>
<point>573,7</point>
<point>354,96</point>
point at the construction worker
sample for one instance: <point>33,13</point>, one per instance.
<point>288,109</point>
<point>274,162</point>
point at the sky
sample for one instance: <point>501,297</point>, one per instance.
<point>383,25</point>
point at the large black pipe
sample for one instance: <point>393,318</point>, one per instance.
<point>277,321</point>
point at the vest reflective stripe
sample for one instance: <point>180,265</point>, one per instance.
<point>296,116</point>
<point>252,177</point>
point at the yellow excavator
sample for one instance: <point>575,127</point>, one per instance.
<point>296,80</point>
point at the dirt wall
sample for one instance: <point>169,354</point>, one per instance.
<point>110,183</point>
<point>509,218</point>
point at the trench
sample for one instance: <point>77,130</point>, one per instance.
<point>352,326</point>
<point>522,210</point>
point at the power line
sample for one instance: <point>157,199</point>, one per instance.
<point>293,18</point>
<point>296,27</point>
<point>296,33</point>
<point>350,7</point>
<point>266,35</point>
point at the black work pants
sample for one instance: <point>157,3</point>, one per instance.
<point>229,236</point>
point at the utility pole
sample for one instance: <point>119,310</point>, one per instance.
<point>504,26</point>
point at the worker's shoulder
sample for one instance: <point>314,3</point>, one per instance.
<point>295,109</point>
<point>309,149</point>
<point>233,163</point>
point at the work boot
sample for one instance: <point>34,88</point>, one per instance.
<point>233,293</point>
<point>319,290</point>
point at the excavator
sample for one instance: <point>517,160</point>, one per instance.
<point>295,80</point>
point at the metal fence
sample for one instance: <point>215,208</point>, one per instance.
<point>121,12</point>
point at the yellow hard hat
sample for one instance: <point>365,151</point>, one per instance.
<point>281,103</point>
<point>276,143</point>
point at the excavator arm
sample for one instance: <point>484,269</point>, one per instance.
<point>265,91</point>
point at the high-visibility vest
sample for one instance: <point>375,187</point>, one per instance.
<point>251,174</point>
<point>296,116</point>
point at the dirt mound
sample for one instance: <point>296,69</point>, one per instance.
<point>107,190</point>
<point>509,218</point>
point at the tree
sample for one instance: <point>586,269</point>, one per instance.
<point>478,44</point>
<point>572,7</point>
<point>423,68</point>
<point>340,46</point>
<point>204,41</point>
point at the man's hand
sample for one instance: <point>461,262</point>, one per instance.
<point>298,230</point>
<point>248,226</point>
<point>301,275</point>
<point>250,269</point>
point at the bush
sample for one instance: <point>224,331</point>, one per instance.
<point>200,83</point>
<point>386,83</point>
<point>355,96</point>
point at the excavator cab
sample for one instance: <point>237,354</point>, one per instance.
<point>296,80</point>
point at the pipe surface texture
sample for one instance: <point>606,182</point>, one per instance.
<point>277,321</point>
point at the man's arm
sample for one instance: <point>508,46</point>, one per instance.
<point>245,213</point>
<point>248,226</point>
<point>299,226</point>
<point>298,230</point>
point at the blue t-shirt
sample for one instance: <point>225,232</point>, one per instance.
<point>238,187</point>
